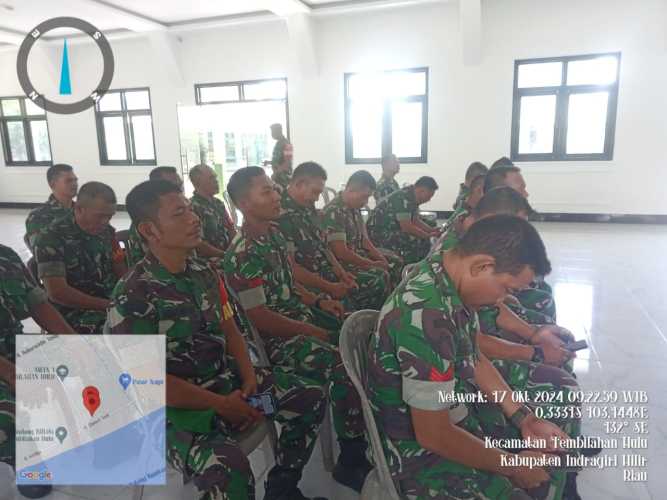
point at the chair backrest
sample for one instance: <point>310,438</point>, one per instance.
<point>354,339</point>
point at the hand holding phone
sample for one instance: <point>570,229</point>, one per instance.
<point>263,402</point>
<point>576,346</point>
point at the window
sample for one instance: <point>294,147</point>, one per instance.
<point>25,133</point>
<point>565,108</point>
<point>125,127</point>
<point>386,113</point>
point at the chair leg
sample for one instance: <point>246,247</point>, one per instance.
<point>326,442</point>
<point>137,492</point>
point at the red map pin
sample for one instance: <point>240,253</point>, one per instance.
<point>91,399</point>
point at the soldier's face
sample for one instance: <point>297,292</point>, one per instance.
<point>94,217</point>
<point>423,195</point>
<point>262,201</point>
<point>175,179</point>
<point>358,198</point>
<point>475,195</point>
<point>208,182</point>
<point>311,189</point>
<point>65,185</point>
<point>177,227</point>
<point>481,285</point>
<point>516,181</point>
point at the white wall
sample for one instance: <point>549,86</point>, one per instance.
<point>469,106</point>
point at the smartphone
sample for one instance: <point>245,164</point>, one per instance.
<point>263,402</point>
<point>576,346</point>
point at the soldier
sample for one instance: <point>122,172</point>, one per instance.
<point>503,161</point>
<point>474,194</point>
<point>136,249</point>
<point>387,183</point>
<point>217,226</point>
<point>395,224</point>
<point>20,298</point>
<point>474,170</point>
<point>315,265</point>
<point>64,184</point>
<point>281,160</point>
<point>346,231</point>
<point>297,332</point>
<point>79,259</point>
<point>210,375</point>
<point>426,346</point>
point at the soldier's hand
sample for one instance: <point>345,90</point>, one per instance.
<point>338,290</point>
<point>546,335</point>
<point>235,410</point>
<point>249,387</point>
<point>318,333</point>
<point>511,300</point>
<point>349,280</point>
<point>526,477</point>
<point>538,428</point>
<point>381,263</point>
<point>556,356</point>
<point>333,307</point>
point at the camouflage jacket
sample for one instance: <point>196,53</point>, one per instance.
<point>399,206</point>
<point>282,179</point>
<point>217,227</point>
<point>456,219</point>
<point>135,250</point>
<point>278,156</point>
<point>425,345</point>
<point>41,217</point>
<point>344,224</point>
<point>462,197</point>
<point>384,188</point>
<point>18,294</point>
<point>257,268</point>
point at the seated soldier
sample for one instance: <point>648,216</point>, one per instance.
<point>136,248</point>
<point>387,184</point>
<point>395,224</point>
<point>217,226</point>
<point>502,162</point>
<point>64,185</point>
<point>209,374</point>
<point>426,346</point>
<point>297,333</point>
<point>346,231</point>
<point>79,259</point>
<point>474,170</point>
<point>474,194</point>
<point>20,298</point>
<point>315,266</point>
<point>281,160</point>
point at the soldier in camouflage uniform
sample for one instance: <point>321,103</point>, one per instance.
<point>475,193</point>
<point>281,160</point>
<point>426,345</point>
<point>474,170</point>
<point>387,184</point>
<point>64,185</point>
<point>315,265</point>
<point>346,231</point>
<point>79,259</point>
<point>297,331</point>
<point>395,224</point>
<point>210,374</point>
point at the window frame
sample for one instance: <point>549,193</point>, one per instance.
<point>128,131</point>
<point>563,93</point>
<point>26,120</point>
<point>386,141</point>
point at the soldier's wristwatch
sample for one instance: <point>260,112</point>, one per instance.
<point>520,415</point>
<point>538,354</point>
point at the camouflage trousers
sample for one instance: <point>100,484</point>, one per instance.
<point>373,288</point>
<point>395,266</point>
<point>85,322</point>
<point>408,247</point>
<point>7,425</point>
<point>217,466</point>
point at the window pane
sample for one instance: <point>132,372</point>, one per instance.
<point>40,140</point>
<point>536,124</point>
<point>274,89</point>
<point>364,86</point>
<point>32,109</point>
<point>110,102</point>
<point>137,100</point>
<point>219,93</point>
<point>406,129</point>
<point>366,128</point>
<point>598,71</point>
<point>11,107</point>
<point>540,74</point>
<point>586,122</point>
<point>114,138</point>
<point>17,145</point>
<point>143,137</point>
<point>405,83</point>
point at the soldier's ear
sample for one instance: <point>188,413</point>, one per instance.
<point>148,230</point>
<point>480,264</point>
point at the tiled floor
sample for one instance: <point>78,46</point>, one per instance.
<point>610,283</point>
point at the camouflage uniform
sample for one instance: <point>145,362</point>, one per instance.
<point>425,343</point>
<point>278,156</point>
<point>538,297</point>
<point>18,294</point>
<point>258,269</point>
<point>462,197</point>
<point>385,187</point>
<point>217,227</point>
<point>189,307</point>
<point>282,179</point>
<point>85,260</point>
<point>384,229</point>
<point>135,250</point>
<point>347,225</point>
<point>40,218</point>
<point>302,228</point>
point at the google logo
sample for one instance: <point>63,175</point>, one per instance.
<point>37,476</point>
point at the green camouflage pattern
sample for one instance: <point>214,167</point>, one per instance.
<point>303,230</point>
<point>278,155</point>
<point>217,226</point>
<point>85,260</point>
<point>7,425</point>
<point>189,308</point>
<point>538,297</point>
<point>385,187</point>
<point>282,179</point>
<point>384,229</point>
<point>41,217</point>
<point>461,198</point>
<point>136,249</point>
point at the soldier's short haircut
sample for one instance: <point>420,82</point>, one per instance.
<point>196,171</point>
<point>309,169</point>
<point>240,181</point>
<point>496,176</point>
<point>158,172</point>
<point>475,169</point>
<point>388,158</point>
<point>276,126</point>
<point>503,161</point>
<point>510,240</point>
<point>502,200</point>
<point>56,170</point>
<point>427,182</point>
<point>361,179</point>
<point>92,190</point>
<point>143,201</point>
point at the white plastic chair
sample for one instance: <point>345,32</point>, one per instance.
<point>354,339</point>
